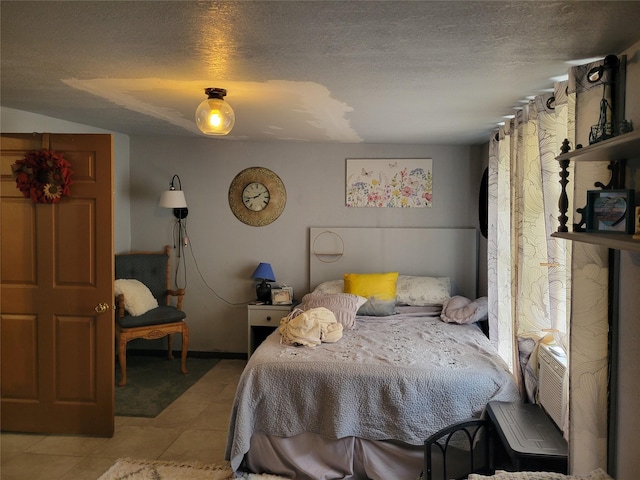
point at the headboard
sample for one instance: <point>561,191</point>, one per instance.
<point>434,252</point>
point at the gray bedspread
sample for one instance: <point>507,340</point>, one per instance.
<point>402,377</point>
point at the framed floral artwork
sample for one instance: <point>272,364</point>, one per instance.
<point>389,183</point>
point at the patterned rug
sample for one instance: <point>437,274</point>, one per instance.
<point>134,469</point>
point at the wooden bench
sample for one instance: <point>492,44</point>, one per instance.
<point>530,438</point>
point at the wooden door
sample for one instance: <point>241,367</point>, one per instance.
<point>57,345</point>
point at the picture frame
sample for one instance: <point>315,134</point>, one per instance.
<point>636,234</point>
<point>610,211</point>
<point>282,296</point>
<point>389,182</point>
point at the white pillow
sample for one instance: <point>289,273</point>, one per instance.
<point>330,287</point>
<point>462,310</point>
<point>137,297</point>
<point>422,291</point>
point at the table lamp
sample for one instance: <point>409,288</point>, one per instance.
<point>264,272</point>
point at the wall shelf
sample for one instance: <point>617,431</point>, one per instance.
<point>617,149</point>
<point>624,146</point>
<point>609,240</point>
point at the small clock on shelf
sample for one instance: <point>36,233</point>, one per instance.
<point>257,196</point>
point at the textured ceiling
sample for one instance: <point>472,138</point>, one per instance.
<point>344,71</point>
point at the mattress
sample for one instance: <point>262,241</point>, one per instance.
<point>394,379</point>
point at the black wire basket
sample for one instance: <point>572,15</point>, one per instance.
<point>609,130</point>
<point>604,130</point>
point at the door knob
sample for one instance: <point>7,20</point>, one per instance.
<point>102,307</point>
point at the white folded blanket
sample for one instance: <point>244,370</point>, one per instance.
<point>310,328</point>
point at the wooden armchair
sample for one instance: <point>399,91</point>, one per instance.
<point>153,270</point>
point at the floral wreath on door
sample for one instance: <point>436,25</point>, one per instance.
<point>43,175</point>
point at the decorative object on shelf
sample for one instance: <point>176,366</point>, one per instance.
<point>610,211</point>
<point>264,272</point>
<point>214,116</point>
<point>607,129</point>
<point>636,235</point>
<point>43,175</point>
<point>391,183</point>
<point>282,295</point>
<point>563,201</point>
<point>175,199</point>
<point>608,125</point>
<point>257,196</point>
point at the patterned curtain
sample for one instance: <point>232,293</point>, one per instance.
<point>531,275</point>
<point>529,271</point>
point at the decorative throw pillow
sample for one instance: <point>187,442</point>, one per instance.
<point>137,297</point>
<point>379,285</point>
<point>422,291</point>
<point>343,305</point>
<point>378,288</point>
<point>377,308</point>
<point>462,310</point>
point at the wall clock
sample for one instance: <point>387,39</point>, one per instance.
<point>257,196</point>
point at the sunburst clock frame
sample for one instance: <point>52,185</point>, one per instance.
<point>257,196</point>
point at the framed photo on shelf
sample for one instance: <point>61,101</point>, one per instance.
<point>636,234</point>
<point>610,211</point>
<point>282,296</point>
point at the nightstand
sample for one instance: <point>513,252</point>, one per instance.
<point>262,320</point>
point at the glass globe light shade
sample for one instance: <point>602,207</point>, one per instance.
<point>214,116</point>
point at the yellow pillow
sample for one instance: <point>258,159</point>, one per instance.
<point>382,286</point>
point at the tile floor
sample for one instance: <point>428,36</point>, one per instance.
<point>193,428</point>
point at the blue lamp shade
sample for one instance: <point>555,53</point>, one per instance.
<point>264,272</point>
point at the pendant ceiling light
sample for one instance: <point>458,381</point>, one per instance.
<point>214,116</point>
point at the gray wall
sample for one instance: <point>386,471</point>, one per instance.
<point>223,252</point>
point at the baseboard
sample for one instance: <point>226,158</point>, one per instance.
<point>191,354</point>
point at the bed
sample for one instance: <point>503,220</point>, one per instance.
<point>361,407</point>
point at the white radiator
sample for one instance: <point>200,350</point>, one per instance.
<point>552,364</point>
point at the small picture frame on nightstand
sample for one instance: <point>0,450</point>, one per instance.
<point>282,296</point>
<point>636,234</point>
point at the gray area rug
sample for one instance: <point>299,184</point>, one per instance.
<point>154,382</point>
